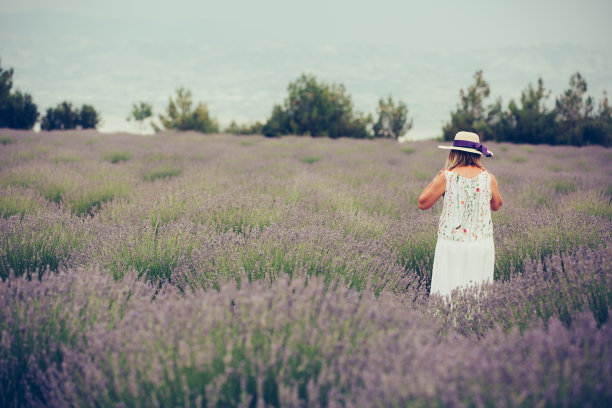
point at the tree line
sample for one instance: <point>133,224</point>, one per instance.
<point>316,108</point>
<point>573,120</point>
<point>312,108</point>
<point>18,110</point>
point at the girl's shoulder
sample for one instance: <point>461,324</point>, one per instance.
<point>488,172</point>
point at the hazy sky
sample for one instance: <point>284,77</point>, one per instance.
<point>443,24</point>
<point>239,55</point>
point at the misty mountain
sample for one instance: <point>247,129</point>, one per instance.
<point>114,64</point>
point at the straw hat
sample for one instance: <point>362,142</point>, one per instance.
<point>468,142</point>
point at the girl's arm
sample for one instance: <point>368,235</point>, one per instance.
<point>496,198</point>
<point>433,191</point>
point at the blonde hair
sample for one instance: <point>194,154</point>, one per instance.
<point>460,158</point>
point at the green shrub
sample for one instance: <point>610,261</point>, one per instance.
<point>6,139</point>
<point>153,253</point>
<point>67,158</point>
<point>34,243</point>
<point>19,179</point>
<point>392,120</point>
<point>52,191</point>
<point>595,203</point>
<point>244,129</point>
<point>181,115</point>
<point>163,171</point>
<point>23,155</point>
<point>562,186</point>
<point>117,156</point>
<point>317,109</point>
<point>87,201</point>
<point>14,202</point>
<point>311,159</point>
<point>64,116</point>
<point>160,157</point>
<point>17,110</point>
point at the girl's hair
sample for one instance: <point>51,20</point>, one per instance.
<point>459,158</point>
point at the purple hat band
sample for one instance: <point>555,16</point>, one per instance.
<point>472,145</point>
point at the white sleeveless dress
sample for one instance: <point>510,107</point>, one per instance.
<point>465,253</point>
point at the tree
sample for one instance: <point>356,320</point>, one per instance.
<point>470,113</point>
<point>392,120</point>
<point>141,112</point>
<point>278,124</point>
<point>532,122</point>
<point>61,117</point>
<point>573,111</point>
<point>88,117</point>
<point>64,117</point>
<point>572,121</point>
<point>181,116</point>
<point>570,106</point>
<point>597,129</point>
<point>317,109</point>
<point>17,110</point>
<point>244,129</point>
<point>6,82</point>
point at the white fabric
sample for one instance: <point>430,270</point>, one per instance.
<point>465,252</point>
<point>461,264</point>
<point>466,213</point>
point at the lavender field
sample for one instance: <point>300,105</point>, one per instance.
<point>184,269</point>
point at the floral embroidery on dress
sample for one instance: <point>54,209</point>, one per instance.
<point>466,208</point>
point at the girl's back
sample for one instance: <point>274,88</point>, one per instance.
<point>466,213</point>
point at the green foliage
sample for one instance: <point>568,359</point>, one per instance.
<point>317,109</point>
<point>64,116</point>
<point>13,202</point>
<point>53,191</point>
<point>31,246</point>
<point>67,158</point>
<point>23,155</point>
<point>141,112</point>
<point>562,186</point>
<point>471,114</point>
<point>408,149</point>
<point>245,129</point>
<point>162,172</point>
<point>310,159</point>
<point>531,121</point>
<point>573,120</point>
<point>151,255</point>
<point>88,117</point>
<point>181,115</point>
<point>392,120</point>
<point>87,201</point>
<point>116,156</point>
<point>17,110</point>
<point>6,139</point>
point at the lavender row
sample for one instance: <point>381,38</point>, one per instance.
<point>81,338</point>
<point>321,191</point>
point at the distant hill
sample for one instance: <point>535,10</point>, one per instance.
<point>105,67</point>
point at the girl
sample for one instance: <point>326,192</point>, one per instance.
<point>465,252</point>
